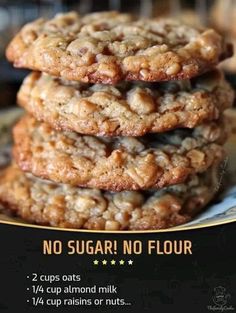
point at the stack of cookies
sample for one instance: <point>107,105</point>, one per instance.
<point>124,127</point>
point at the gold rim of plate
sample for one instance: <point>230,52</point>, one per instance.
<point>166,230</point>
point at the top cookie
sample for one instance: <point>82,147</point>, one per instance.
<point>109,47</point>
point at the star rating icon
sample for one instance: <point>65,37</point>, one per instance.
<point>113,262</point>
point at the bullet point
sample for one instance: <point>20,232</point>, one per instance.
<point>27,276</point>
<point>27,288</point>
<point>27,300</point>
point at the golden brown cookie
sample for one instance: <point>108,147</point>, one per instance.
<point>116,163</point>
<point>43,202</point>
<point>128,109</point>
<point>223,15</point>
<point>109,47</point>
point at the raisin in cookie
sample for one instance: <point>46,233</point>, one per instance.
<point>109,47</point>
<point>116,163</point>
<point>129,109</point>
<point>46,203</point>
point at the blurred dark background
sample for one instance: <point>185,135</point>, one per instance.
<point>14,14</point>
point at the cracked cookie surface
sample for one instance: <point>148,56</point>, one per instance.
<point>109,47</point>
<point>43,202</point>
<point>129,109</point>
<point>116,163</point>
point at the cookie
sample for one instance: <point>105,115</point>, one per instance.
<point>191,17</point>
<point>116,163</point>
<point>128,109</point>
<point>43,202</point>
<point>223,15</point>
<point>110,47</point>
